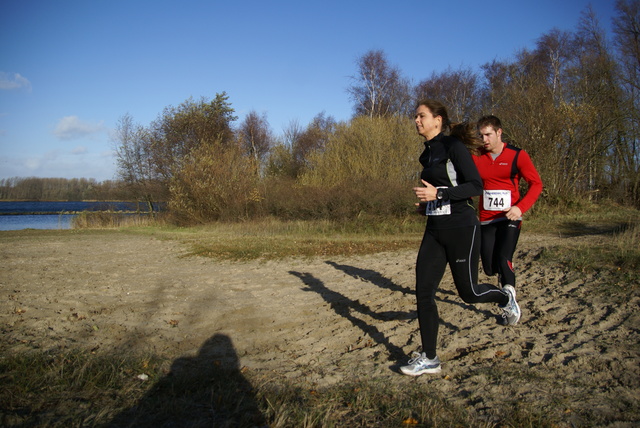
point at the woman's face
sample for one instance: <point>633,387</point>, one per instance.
<point>426,124</point>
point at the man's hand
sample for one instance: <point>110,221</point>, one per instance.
<point>513,213</point>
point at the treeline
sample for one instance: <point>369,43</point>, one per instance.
<point>59,189</point>
<point>572,102</point>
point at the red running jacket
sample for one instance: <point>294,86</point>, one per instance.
<point>504,173</point>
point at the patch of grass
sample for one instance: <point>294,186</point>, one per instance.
<point>612,247</point>
<point>274,248</point>
<point>615,254</point>
<point>75,388</point>
<point>276,239</point>
<point>589,219</point>
<point>364,404</point>
<point>614,229</point>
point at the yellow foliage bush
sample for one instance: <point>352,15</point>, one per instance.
<point>366,149</point>
<point>215,182</point>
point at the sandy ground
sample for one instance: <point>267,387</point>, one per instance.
<point>321,321</point>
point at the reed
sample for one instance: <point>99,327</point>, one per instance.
<point>112,220</point>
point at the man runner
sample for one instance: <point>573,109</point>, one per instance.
<point>501,166</point>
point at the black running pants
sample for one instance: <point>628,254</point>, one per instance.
<point>498,245</point>
<point>460,249</point>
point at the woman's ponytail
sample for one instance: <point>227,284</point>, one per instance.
<point>468,134</point>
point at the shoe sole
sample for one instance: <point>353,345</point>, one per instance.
<point>421,372</point>
<point>517,306</point>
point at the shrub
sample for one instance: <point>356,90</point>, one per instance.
<point>215,182</point>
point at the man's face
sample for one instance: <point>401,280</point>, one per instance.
<point>492,139</point>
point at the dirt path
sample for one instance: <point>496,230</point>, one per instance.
<point>322,321</point>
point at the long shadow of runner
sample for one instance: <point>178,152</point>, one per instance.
<point>383,282</point>
<point>207,390</point>
<point>343,306</point>
<point>372,276</point>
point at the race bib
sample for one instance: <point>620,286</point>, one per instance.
<point>438,207</point>
<point>496,200</point>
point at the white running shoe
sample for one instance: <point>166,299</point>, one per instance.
<point>420,364</point>
<point>511,312</point>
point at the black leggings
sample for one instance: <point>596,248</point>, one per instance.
<point>460,248</point>
<point>499,242</point>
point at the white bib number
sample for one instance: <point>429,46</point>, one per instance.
<point>438,207</point>
<point>496,200</point>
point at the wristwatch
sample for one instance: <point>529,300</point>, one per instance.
<point>440,194</point>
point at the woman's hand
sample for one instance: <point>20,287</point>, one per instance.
<point>426,193</point>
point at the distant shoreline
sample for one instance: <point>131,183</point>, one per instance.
<point>75,212</point>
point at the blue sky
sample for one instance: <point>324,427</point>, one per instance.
<point>69,69</point>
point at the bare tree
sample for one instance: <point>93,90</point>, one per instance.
<point>626,27</point>
<point>281,161</point>
<point>255,136</point>
<point>314,138</point>
<point>459,90</point>
<point>560,101</point>
<point>292,157</point>
<point>135,164</point>
<point>593,85</point>
<point>378,90</point>
<point>292,133</point>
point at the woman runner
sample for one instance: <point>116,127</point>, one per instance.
<point>452,234</point>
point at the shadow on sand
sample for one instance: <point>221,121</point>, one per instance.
<point>207,390</point>
<point>381,281</point>
<point>348,309</point>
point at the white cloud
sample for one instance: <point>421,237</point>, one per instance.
<point>80,150</point>
<point>51,155</point>
<point>31,164</point>
<point>71,128</point>
<point>10,81</point>
<point>57,164</point>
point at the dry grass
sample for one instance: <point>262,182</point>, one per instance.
<point>112,220</point>
<point>69,389</point>
<point>275,239</point>
<point>611,240</point>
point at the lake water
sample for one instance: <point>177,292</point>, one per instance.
<point>51,215</point>
<point>40,221</point>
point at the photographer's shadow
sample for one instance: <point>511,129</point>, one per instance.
<point>207,390</point>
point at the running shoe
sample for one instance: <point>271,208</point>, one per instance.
<point>511,312</point>
<point>420,364</point>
